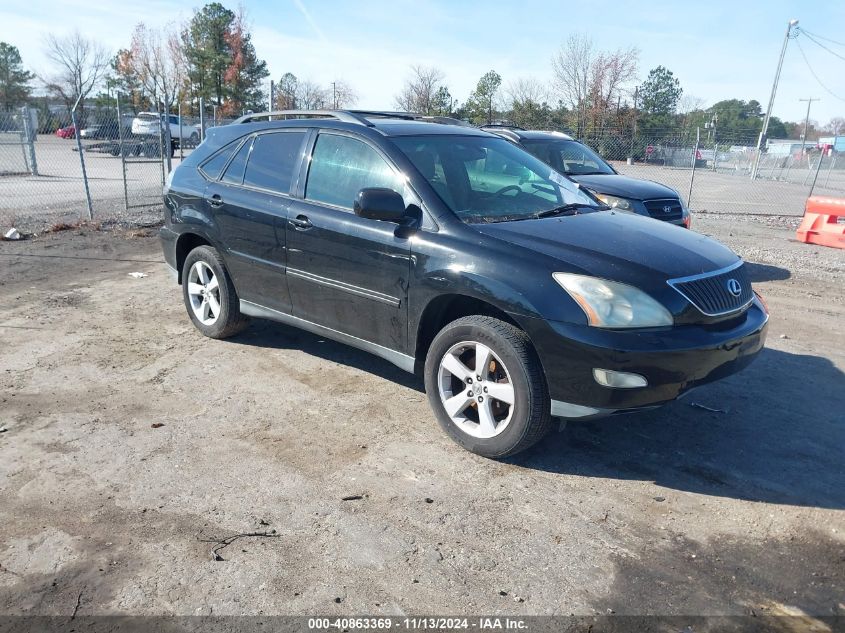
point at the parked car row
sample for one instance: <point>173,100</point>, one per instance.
<point>150,123</point>
<point>517,293</point>
<point>144,126</point>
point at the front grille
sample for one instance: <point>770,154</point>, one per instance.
<point>709,292</point>
<point>664,209</point>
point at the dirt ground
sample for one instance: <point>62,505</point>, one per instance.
<point>132,447</point>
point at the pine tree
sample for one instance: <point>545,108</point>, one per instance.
<point>223,66</point>
<point>14,80</point>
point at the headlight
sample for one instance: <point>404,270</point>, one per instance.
<point>613,305</point>
<point>614,202</point>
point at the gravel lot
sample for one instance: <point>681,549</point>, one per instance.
<point>132,445</point>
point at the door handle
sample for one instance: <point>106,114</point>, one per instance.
<point>301,222</point>
<point>215,200</point>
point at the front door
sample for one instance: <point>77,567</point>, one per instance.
<point>348,273</point>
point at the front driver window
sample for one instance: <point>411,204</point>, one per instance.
<point>341,166</point>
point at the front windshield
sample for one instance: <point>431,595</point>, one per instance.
<point>488,179</point>
<point>568,157</point>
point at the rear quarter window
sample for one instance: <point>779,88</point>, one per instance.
<point>213,167</point>
<point>234,173</point>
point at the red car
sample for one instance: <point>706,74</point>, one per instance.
<point>66,132</point>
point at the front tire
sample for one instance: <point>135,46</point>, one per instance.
<point>486,386</point>
<point>209,294</point>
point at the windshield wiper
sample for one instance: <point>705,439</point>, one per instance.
<point>564,209</point>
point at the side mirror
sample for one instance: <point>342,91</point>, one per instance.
<point>377,203</point>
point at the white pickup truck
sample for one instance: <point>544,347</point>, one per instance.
<point>147,124</point>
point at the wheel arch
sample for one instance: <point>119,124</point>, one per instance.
<point>185,243</point>
<point>445,308</point>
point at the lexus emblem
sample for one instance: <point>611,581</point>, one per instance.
<point>734,288</point>
<point>667,209</point>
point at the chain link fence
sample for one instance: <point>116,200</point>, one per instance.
<point>713,174</point>
<point>113,168</point>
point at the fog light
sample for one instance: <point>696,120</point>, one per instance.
<point>618,379</point>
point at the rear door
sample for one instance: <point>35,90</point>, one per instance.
<point>345,272</point>
<point>250,204</point>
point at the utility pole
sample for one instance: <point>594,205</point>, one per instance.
<point>806,123</point>
<point>761,139</point>
<point>634,133</point>
<point>272,96</point>
<point>334,95</point>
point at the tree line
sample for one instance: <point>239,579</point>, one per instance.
<point>594,94</point>
<point>211,59</point>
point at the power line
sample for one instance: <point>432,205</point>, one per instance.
<point>813,73</point>
<point>822,37</point>
<point>815,41</point>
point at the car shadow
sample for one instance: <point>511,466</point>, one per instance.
<point>765,272</point>
<point>265,333</point>
<point>774,433</point>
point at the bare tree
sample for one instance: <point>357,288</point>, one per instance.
<point>526,90</point>
<point>419,94</point>
<point>591,82</point>
<point>690,103</point>
<point>156,62</point>
<point>311,96</point>
<point>836,126</point>
<point>81,64</point>
<point>342,94</point>
<point>572,68</point>
<point>613,71</point>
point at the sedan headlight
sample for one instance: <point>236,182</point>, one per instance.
<point>611,304</point>
<point>615,202</point>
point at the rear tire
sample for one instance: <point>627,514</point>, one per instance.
<point>479,416</point>
<point>210,296</point>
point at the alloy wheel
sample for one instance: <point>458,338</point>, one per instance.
<point>476,389</point>
<point>204,293</point>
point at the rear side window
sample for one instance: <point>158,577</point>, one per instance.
<point>235,171</point>
<point>341,166</point>
<point>272,160</point>
<point>213,167</point>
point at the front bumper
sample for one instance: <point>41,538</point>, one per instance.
<point>673,360</point>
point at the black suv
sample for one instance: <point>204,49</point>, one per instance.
<point>452,252</point>
<point>584,166</point>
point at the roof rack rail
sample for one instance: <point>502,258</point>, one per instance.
<point>387,114</point>
<point>341,115</point>
<point>361,117</point>
<point>445,120</point>
<point>507,126</point>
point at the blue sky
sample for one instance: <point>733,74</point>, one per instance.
<point>717,49</point>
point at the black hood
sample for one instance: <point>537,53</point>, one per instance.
<point>625,187</point>
<point>615,245</point>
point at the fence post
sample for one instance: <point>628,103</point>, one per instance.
<point>692,174</point>
<point>30,140</point>
<point>830,169</point>
<point>815,177</point>
<point>122,152</point>
<point>202,120</point>
<point>181,135</point>
<point>76,131</point>
<point>161,141</point>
